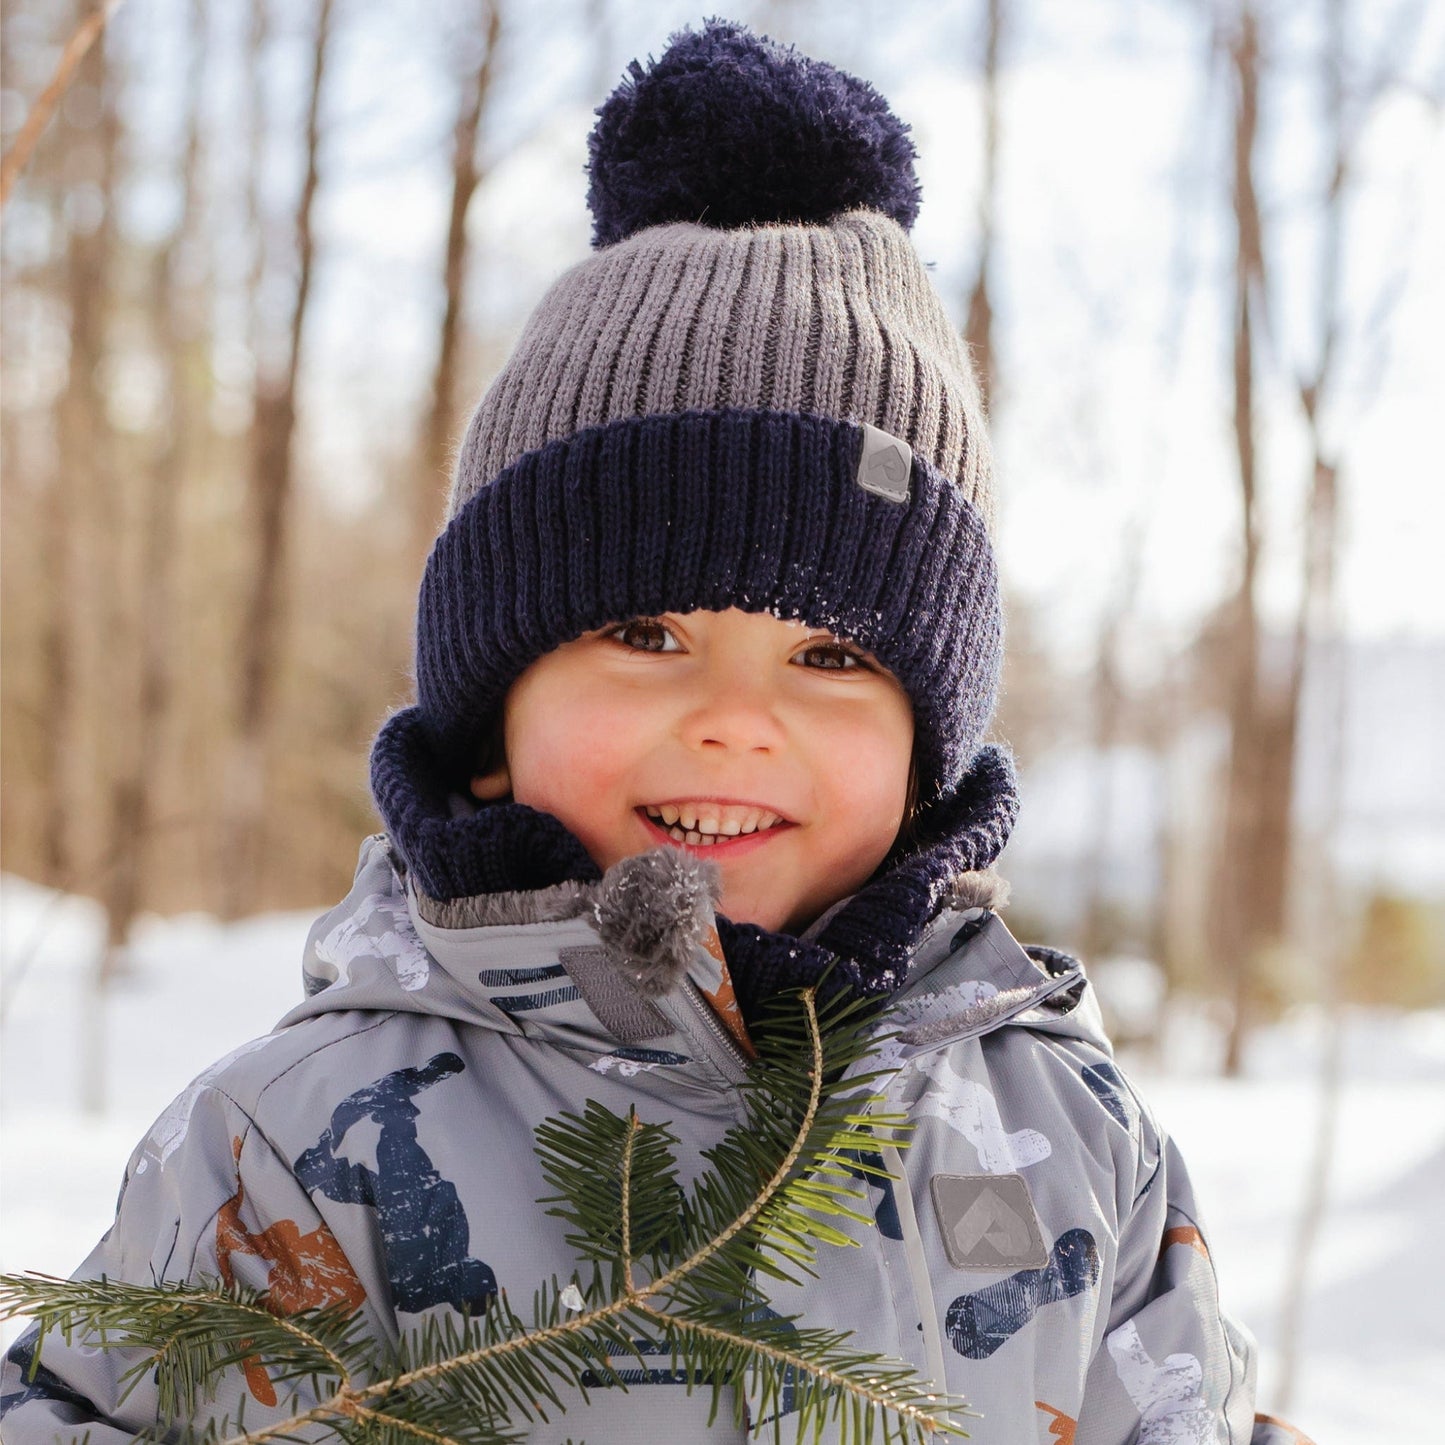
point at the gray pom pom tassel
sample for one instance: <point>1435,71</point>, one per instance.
<point>652,910</point>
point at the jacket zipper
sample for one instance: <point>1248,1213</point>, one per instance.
<point>715,1030</point>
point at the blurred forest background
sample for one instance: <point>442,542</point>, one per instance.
<point>265,256</point>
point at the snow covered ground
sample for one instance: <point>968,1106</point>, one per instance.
<point>1373,1327</point>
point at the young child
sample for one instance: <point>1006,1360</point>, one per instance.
<point>717,584</point>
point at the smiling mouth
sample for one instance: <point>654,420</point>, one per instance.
<point>695,838</point>
<point>704,825</point>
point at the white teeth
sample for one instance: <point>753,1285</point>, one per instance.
<point>690,823</point>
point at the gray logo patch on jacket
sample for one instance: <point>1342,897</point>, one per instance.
<point>988,1222</point>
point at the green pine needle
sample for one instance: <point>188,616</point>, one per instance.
<point>686,1269</point>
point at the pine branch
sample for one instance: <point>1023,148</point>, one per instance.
<point>678,1268</point>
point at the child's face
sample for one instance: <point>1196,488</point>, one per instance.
<point>727,718</point>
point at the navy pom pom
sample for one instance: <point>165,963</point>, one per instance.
<point>731,129</point>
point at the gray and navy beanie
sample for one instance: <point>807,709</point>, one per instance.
<point>748,396</point>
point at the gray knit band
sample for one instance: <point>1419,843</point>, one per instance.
<point>836,320</point>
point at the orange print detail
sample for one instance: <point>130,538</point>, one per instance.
<point>1185,1234</point>
<point>307,1271</point>
<point>1297,1436</point>
<point>724,1000</point>
<point>1062,1426</point>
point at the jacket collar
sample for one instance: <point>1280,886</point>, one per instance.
<point>546,967</point>
<point>457,854</point>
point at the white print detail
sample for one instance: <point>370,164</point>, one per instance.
<point>972,1110</point>
<point>891,1053</point>
<point>348,942</point>
<point>951,1000</point>
<point>1166,1396</point>
<point>170,1129</point>
<point>571,1299</point>
<point>627,1068</point>
<point>887,1057</point>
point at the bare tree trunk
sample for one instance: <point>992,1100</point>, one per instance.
<point>134,783</point>
<point>58,652</point>
<point>81,481</point>
<point>978,330</point>
<point>84,536</point>
<point>1096,937</point>
<point>75,51</point>
<point>1317,637</point>
<point>1237,908</point>
<point>239,781</point>
<point>441,418</point>
<point>273,428</point>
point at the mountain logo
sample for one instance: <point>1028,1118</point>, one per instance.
<point>988,1221</point>
<point>885,466</point>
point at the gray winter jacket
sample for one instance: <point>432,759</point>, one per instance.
<point>1043,1256</point>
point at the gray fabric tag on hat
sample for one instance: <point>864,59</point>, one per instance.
<point>988,1221</point>
<point>885,466</point>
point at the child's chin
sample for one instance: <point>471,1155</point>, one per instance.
<point>770,917</point>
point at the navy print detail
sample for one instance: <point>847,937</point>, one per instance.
<point>511,977</point>
<point>629,1062</point>
<point>977,1324</point>
<point>1110,1089</point>
<point>788,1393</point>
<point>885,1211</point>
<point>636,1376</point>
<point>969,930</point>
<point>46,1385</point>
<point>424,1230</point>
<point>520,1003</point>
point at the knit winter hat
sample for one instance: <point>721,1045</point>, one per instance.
<point>749,396</point>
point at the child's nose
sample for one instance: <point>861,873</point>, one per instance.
<point>734,709</point>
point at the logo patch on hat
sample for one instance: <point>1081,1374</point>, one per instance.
<point>885,466</point>
<point>988,1221</point>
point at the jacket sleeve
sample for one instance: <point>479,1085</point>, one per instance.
<point>1174,1368</point>
<point>205,1197</point>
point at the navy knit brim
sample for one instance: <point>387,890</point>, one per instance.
<point>709,510</point>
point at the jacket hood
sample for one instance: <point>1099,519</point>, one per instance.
<point>630,966</point>
<point>452,851</point>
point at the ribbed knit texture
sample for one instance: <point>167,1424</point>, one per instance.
<point>680,428</point>
<point>863,949</point>
<point>709,510</point>
<point>836,320</point>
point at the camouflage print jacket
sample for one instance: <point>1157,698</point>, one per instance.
<point>1042,1255</point>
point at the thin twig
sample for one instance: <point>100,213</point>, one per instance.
<point>348,1401</point>
<point>287,1428</point>
<point>409,1427</point>
<point>620,1305</point>
<point>343,1374</point>
<point>800,1363</point>
<point>633,1128</point>
<point>86,34</point>
<point>780,1175</point>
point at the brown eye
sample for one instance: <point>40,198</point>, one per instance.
<point>832,657</point>
<point>644,634</point>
